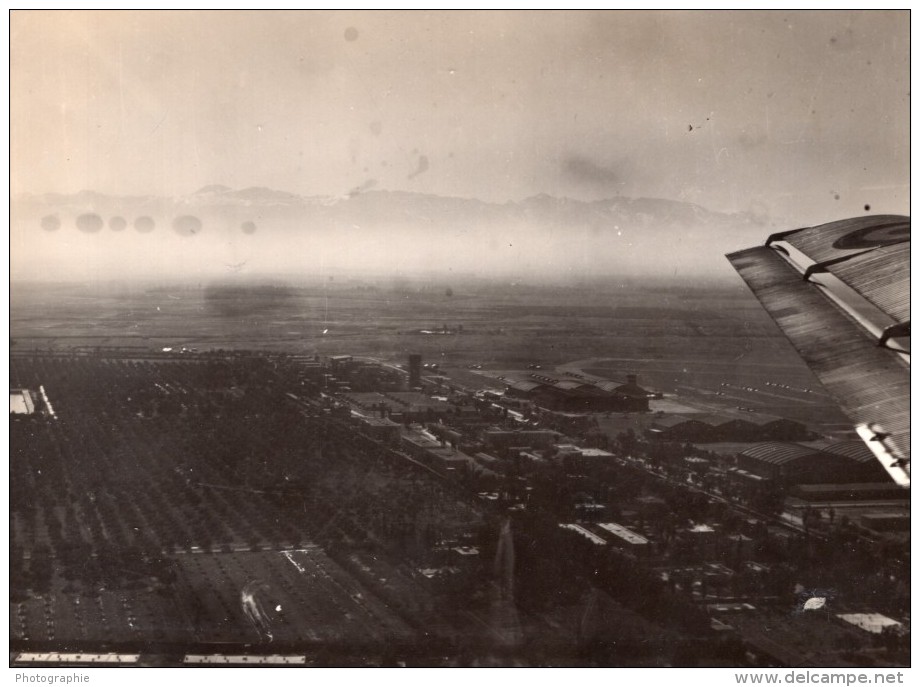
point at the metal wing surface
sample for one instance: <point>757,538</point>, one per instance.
<point>840,292</point>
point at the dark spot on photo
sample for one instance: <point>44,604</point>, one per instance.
<point>247,299</point>
<point>187,225</point>
<point>248,227</point>
<point>89,223</point>
<point>144,224</point>
<point>422,166</point>
<point>867,207</point>
<point>118,223</point>
<point>585,170</point>
<point>51,223</point>
<point>366,186</point>
<point>351,34</point>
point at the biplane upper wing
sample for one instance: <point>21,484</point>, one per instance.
<point>840,292</point>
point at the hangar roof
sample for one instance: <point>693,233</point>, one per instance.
<point>778,453</point>
<point>524,385</point>
<point>854,450</point>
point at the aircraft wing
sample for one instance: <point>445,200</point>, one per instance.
<point>840,292</point>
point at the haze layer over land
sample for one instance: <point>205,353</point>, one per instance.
<point>219,232</point>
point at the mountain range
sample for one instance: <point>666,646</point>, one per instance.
<point>539,233</point>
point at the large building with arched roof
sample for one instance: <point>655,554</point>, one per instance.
<point>714,427</point>
<point>789,463</point>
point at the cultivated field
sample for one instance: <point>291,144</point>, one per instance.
<point>488,322</point>
<point>162,495</point>
<point>241,597</point>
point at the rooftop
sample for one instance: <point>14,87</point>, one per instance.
<point>587,534</point>
<point>854,450</point>
<point>778,453</point>
<point>595,453</point>
<point>379,422</point>
<point>870,622</point>
<point>21,402</point>
<point>623,533</point>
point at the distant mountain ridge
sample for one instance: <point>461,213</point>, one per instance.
<point>266,230</point>
<point>381,205</point>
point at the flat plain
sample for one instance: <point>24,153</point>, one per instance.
<point>181,497</point>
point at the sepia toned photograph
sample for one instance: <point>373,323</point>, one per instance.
<point>454,339</point>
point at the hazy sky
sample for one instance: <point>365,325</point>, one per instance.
<point>802,115</point>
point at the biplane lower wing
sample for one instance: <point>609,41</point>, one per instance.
<point>847,314</point>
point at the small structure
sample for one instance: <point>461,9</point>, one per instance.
<point>624,536</point>
<point>382,429</point>
<point>875,623</point>
<point>586,533</point>
<point>339,363</point>
<point>532,438</point>
<point>581,459</point>
<point>886,522</point>
<point>22,402</point>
